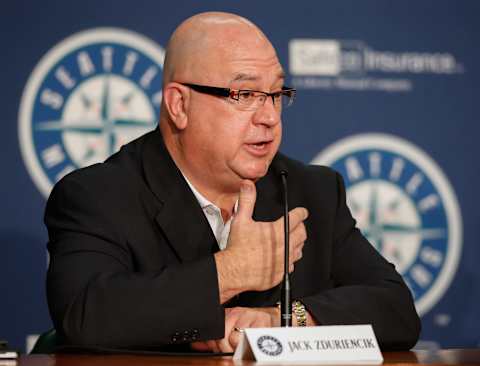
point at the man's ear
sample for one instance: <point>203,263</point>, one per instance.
<point>176,97</point>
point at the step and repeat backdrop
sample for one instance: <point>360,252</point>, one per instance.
<point>388,95</point>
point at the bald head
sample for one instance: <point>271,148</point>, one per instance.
<point>213,140</point>
<point>208,38</point>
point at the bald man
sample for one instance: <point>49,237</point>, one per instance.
<point>176,241</point>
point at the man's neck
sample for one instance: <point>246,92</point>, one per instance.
<point>224,201</point>
<point>222,198</point>
<point>204,201</point>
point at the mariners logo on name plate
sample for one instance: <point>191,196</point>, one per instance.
<point>269,345</point>
<point>90,94</point>
<point>405,206</point>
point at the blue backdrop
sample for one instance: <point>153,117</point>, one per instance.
<point>387,94</point>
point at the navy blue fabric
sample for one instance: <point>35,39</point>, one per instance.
<point>437,111</point>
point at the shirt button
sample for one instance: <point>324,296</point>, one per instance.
<point>210,210</point>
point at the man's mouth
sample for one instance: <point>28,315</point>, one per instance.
<point>260,148</point>
<point>259,145</point>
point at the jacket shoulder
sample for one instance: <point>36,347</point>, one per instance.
<point>107,184</point>
<point>308,173</point>
<point>119,171</point>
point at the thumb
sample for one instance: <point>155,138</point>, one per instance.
<point>246,200</point>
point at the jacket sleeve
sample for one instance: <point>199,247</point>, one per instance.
<point>366,288</point>
<point>98,298</point>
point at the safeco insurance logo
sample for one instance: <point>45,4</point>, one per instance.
<point>353,65</point>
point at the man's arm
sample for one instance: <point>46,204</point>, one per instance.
<point>367,289</point>
<point>98,298</point>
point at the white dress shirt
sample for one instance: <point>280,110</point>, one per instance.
<point>213,214</point>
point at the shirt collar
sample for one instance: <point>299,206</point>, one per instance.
<point>204,202</point>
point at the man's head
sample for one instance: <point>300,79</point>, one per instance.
<point>215,139</point>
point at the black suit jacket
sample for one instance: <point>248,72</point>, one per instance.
<point>132,256</point>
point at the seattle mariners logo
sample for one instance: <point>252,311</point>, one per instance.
<point>269,345</point>
<point>89,95</point>
<point>405,206</point>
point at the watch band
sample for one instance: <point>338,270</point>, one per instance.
<point>300,313</point>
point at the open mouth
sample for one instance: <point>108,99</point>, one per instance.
<point>259,145</point>
<point>259,148</point>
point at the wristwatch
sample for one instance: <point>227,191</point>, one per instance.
<point>300,313</point>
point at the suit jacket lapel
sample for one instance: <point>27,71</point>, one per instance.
<point>180,217</point>
<point>192,237</point>
<point>269,204</point>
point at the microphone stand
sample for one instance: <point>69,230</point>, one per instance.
<point>285,297</point>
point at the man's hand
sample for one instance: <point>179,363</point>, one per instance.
<point>253,259</point>
<point>240,318</point>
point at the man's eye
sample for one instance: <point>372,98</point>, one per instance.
<point>246,95</point>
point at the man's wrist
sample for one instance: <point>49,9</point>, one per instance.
<point>228,277</point>
<point>300,316</point>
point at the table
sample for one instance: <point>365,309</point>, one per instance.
<point>440,357</point>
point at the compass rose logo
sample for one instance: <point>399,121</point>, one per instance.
<point>89,95</point>
<point>405,207</point>
<point>269,345</point>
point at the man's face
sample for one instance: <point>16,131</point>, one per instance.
<point>227,142</point>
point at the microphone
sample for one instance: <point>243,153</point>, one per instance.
<point>285,296</point>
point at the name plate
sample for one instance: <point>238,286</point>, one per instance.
<point>335,344</point>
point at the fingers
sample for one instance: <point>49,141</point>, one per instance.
<point>213,346</point>
<point>234,338</point>
<point>231,339</point>
<point>241,318</point>
<point>298,235</point>
<point>224,345</point>
<point>208,346</point>
<point>296,250</point>
<point>200,346</point>
<point>246,200</point>
<point>297,216</point>
<point>297,241</point>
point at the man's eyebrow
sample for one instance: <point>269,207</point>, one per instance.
<point>250,77</point>
<point>245,77</point>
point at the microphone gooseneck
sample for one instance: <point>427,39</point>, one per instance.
<point>285,297</point>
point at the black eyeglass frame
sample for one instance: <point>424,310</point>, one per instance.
<point>235,93</point>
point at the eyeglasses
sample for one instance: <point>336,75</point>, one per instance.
<point>249,99</point>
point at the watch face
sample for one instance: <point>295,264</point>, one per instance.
<point>269,345</point>
<point>405,206</point>
<point>89,95</point>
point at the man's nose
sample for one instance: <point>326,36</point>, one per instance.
<point>268,113</point>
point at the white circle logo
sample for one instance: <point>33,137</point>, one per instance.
<point>405,206</point>
<point>269,345</point>
<point>89,95</point>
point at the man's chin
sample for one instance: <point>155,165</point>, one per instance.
<point>255,173</point>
